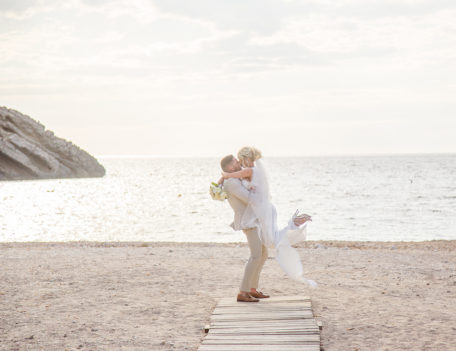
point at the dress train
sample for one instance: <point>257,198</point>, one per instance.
<point>287,256</point>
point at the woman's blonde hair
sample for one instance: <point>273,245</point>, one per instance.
<point>249,152</point>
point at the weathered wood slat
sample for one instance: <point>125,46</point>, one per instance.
<point>283,323</point>
<point>259,339</point>
<point>234,317</point>
<point>264,324</point>
<point>282,343</point>
<point>259,348</point>
<point>281,304</point>
<point>268,329</point>
<point>264,327</point>
<point>260,310</point>
<point>264,302</point>
<point>277,323</point>
<point>302,314</point>
<point>263,308</point>
<point>272,331</point>
<point>274,300</point>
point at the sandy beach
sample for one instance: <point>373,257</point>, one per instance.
<point>159,296</point>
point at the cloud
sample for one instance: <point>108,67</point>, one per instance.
<point>412,40</point>
<point>258,64</point>
<point>247,16</point>
<point>142,11</point>
<point>25,9</point>
<point>106,37</point>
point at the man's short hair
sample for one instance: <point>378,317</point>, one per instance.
<point>226,161</point>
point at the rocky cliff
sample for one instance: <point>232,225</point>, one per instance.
<point>29,151</point>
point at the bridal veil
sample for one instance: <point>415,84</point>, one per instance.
<point>287,256</point>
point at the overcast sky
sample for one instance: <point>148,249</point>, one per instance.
<point>205,77</point>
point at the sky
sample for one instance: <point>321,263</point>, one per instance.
<point>203,78</point>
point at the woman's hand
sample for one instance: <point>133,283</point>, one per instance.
<point>221,180</point>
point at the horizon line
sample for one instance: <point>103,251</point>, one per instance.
<point>279,156</point>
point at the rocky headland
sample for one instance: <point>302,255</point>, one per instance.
<point>29,151</point>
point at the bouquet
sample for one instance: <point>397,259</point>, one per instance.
<point>217,192</point>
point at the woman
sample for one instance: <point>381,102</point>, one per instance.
<point>254,178</point>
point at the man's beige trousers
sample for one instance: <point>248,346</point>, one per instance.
<point>258,256</point>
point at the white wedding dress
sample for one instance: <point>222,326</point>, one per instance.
<point>271,236</point>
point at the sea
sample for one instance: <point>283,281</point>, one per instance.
<point>356,198</point>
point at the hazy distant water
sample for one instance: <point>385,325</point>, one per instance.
<point>381,198</point>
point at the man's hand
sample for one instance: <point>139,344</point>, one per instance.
<point>225,175</point>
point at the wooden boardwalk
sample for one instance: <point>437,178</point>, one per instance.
<point>284,323</point>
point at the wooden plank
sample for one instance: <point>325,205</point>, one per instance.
<point>259,348</point>
<point>217,329</point>
<point>258,310</point>
<point>264,330</point>
<point>273,300</point>
<point>246,323</point>
<point>263,312</point>
<point>264,308</point>
<point>260,317</point>
<point>282,323</point>
<point>260,339</point>
<point>260,330</point>
<point>298,323</point>
<point>263,323</point>
<point>269,330</point>
<point>243,329</point>
<point>265,303</point>
<point>280,342</point>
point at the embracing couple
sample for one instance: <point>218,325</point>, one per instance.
<point>245,181</point>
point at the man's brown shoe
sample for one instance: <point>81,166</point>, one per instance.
<point>246,298</point>
<point>259,295</point>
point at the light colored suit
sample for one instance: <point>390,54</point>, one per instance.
<point>238,198</point>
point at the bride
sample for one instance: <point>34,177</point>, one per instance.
<point>254,178</point>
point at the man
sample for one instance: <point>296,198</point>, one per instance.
<point>238,198</point>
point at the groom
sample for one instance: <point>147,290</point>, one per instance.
<point>239,197</point>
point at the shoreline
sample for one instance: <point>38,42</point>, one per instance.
<point>445,245</point>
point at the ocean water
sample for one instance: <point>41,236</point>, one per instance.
<point>370,198</point>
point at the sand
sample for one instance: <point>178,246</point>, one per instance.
<point>159,296</point>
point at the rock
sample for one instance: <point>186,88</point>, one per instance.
<point>29,151</point>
